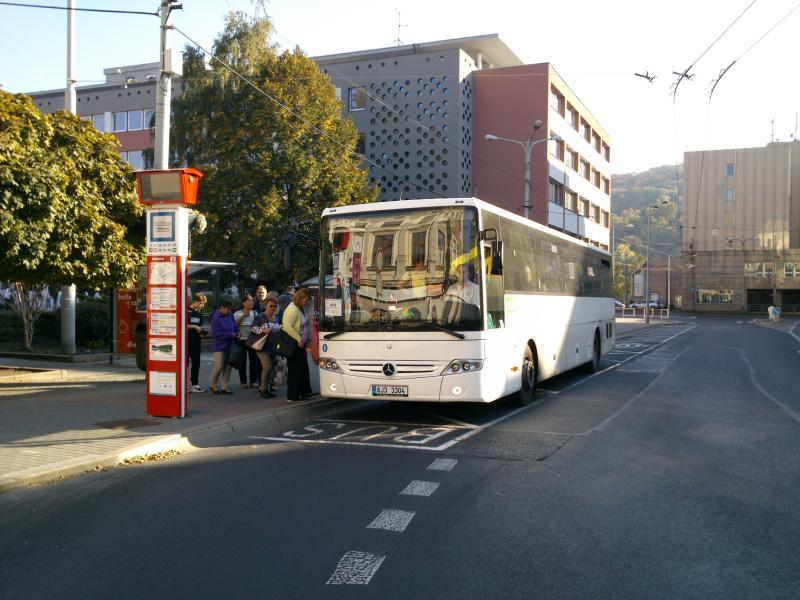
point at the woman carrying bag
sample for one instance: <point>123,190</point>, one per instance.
<point>297,325</point>
<point>223,333</point>
<point>263,325</point>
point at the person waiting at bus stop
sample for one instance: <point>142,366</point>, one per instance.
<point>223,333</point>
<point>195,330</point>
<point>298,326</point>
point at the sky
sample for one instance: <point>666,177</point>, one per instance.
<point>595,46</point>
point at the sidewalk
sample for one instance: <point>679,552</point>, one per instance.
<point>60,420</point>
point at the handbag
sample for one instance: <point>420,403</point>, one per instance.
<point>282,344</point>
<point>235,356</point>
<point>256,341</point>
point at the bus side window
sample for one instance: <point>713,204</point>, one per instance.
<point>495,301</point>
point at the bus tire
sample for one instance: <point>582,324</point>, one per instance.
<point>529,378</point>
<point>593,366</point>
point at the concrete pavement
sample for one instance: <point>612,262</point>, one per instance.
<point>60,420</point>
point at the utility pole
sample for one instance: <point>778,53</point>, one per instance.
<point>68,292</point>
<point>171,66</point>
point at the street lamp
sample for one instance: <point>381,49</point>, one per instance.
<point>730,241</point>
<point>662,202</point>
<point>527,146</point>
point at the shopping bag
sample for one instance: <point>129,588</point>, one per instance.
<point>235,356</point>
<point>281,343</point>
<point>256,341</point>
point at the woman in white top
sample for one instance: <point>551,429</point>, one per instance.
<point>244,319</point>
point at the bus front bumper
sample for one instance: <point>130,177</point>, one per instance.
<point>461,387</point>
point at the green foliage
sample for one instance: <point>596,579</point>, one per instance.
<point>66,201</point>
<point>632,193</point>
<point>267,169</point>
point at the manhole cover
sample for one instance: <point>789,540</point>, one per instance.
<point>128,423</point>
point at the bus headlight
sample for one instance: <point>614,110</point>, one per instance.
<point>462,364</point>
<point>329,364</point>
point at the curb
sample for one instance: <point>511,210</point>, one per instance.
<point>38,375</point>
<point>208,435</point>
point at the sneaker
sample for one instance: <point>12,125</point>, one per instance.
<point>290,401</point>
<point>198,389</point>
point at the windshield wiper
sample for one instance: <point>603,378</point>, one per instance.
<point>330,336</point>
<point>438,327</point>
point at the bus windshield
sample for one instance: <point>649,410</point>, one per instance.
<point>401,271</point>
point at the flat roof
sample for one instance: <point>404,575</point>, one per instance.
<point>490,45</point>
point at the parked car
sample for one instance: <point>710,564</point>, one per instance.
<point>640,304</point>
<point>619,305</point>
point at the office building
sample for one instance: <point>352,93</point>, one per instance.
<point>741,230</point>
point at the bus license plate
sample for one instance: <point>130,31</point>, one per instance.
<point>390,390</point>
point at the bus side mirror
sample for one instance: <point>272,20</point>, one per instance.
<point>497,258</point>
<point>489,234</point>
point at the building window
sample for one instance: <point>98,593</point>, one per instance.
<point>714,296</point>
<point>584,208</point>
<point>758,269</point>
<point>339,94</point>
<point>149,118</point>
<point>418,248</point>
<point>120,121</point>
<point>596,178</point>
<point>557,148</point>
<point>555,193</point>
<point>358,99</point>
<point>135,160</point>
<point>594,214</point>
<point>586,131</point>
<point>606,186</point>
<point>730,194</point>
<point>606,152</point>
<point>134,120</point>
<point>791,269</point>
<point>361,143</point>
<point>99,122</point>
<point>556,101</point>
<point>586,170</point>
<point>572,117</point>
<point>572,159</point>
<point>596,142</point>
<point>606,219</point>
<point>730,169</point>
<point>382,251</point>
<point>571,201</point>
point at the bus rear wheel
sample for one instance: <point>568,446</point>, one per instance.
<point>529,377</point>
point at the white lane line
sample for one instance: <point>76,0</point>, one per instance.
<point>420,488</point>
<point>442,464</point>
<point>355,568</point>
<point>392,519</point>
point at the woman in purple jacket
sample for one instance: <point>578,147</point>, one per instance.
<point>223,332</point>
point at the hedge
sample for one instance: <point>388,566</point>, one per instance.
<point>91,325</point>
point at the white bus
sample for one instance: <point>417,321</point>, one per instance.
<point>455,300</point>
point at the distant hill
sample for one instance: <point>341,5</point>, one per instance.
<point>637,190</point>
<point>631,194</point>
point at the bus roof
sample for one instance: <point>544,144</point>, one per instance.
<point>400,205</point>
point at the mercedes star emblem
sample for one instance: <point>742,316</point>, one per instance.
<point>389,370</point>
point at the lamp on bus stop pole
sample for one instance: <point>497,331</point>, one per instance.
<point>650,207</point>
<point>527,146</point>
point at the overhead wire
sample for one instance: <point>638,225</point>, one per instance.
<point>753,45</point>
<point>75,9</point>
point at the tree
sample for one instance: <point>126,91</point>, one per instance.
<point>268,168</point>
<point>68,208</point>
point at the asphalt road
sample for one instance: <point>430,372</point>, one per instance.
<point>672,474</point>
